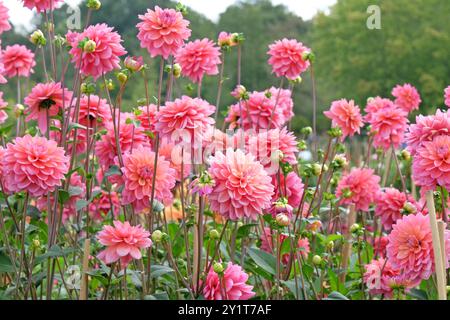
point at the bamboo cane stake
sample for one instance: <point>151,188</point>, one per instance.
<point>441,229</point>
<point>84,275</point>
<point>347,247</point>
<point>440,274</point>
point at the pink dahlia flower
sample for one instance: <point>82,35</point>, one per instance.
<point>376,104</point>
<point>346,116</point>
<point>41,5</point>
<point>123,242</point>
<point>271,147</point>
<point>162,31</point>
<point>198,58</point>
<point>291,188</point>
<point>104,204</point>
<point>106,55</point>
<point>286,58</point>
<point>268,244</point>
<point>410,248</point>
<point>94,111</point>
<point>379,246</point>
<point>46,100</point>
<point>407,97</point>
<point>258,112</point>
<point>243,188</point>
<point>232,285</point>
<point>172,153</point>
<point>388,126</point>
<point>226,39</point>
<point>431,163</point>
<point>389,206</point>
<point>3,105</point>
<point>426,129</point>
<point>185,116</point>
<point>285,103</point>
<point>359,187</point>
<point>130,138</point>
<point>447,96</point>
<point>138,172</point>
<point>147,117</point>
<point>4,17</point>
<point>18,61</point>
<point>378,277</point>
<point>35,165</point>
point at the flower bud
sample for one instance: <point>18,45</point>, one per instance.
<point>89,46</point>
<point>218,268</point>
<point>302,146</point>
<point>335,132</point>
<point>406,156</point>
<point>36,243</point>
<point>37,38</point>
<point>88,88</point>
<point>282,220</point>
<point>355,228</point>
<point>94,4</point>
<point>18,110</point>
<point>240,92</point>
<point>176,70</point>
<point>181,8</point>
<point>297,80</point>
<point>122,77</point>
<point>330,245</point>
<point>317,260</point>
<point>110,84</point>
<point>306,131</point>
<point>214,234</point>
<point>409,208</point>
<point>316,169</point>
<point>134,63</point>
<point>157,236</point>
<point>309,56</point>
<point>347,193</point>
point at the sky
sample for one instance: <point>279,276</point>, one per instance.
<point>306,9</point>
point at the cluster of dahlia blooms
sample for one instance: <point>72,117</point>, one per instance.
<point>154,197</point>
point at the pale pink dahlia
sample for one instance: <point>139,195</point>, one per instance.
<point>243,188</point>
<point>407,97</point>
<point>94,111</point>
<point>232,285</point>
<point>104,204</point>
<point>390,205</point>
<point>426,128</point>
<point>431,163</point>
<point>173,153</point>
<point>198,58</point>
<point>138,172</point>
<point>185,116</point>
<point>104,58</point>
<point>447,96</point>
<point>359,187</point>
<point>123,242</point>
<point>272,147</point>
<point>41,5</point>
<point>286,58</point>
<point>378,277</point>
<point>285,103</point>
<point>376,104</point>
<point>44,101</point>
<point>162,31</point>
<point>346,116</point>
<point>18,61</point>
<point>35,165</point>
<point>291,187</point>
<point>3,105</point>
<point>147,117</point>
<point>388,125</point>
<point>4,17</point>
<point>410,248</point>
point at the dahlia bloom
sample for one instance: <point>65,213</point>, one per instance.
<point>46,100</point>
<point>258,112</point>
<point>147,117</point>
<point>379,246</point>
<point>407,97</point>
<point>4,17</point>
<point>431,163</point>
<point>243,188</point>
<point>359,187</point>
<point>18,61</point>
<point>3,105</point>
<point>285,103</point>
<point>388,125</point>
<point>410,248</point>
<point>162,31</point>
<point>291,187</point>
<point>267,145</point>
<point>184,116</point>
<point>233,283</point>
<point>105,56</point>
<point>94,111</point>
<point>426,128</point>
<point>138,172</point>
<point>198,58</point>
<point>286,58</point>
<point>389,206</point>
<point>447,96</point>
<point>346,116</point>
<point>172,153</point>
<point>123,242</point>
<point>100,206</point>
<point>35,165</point>
<point>41,5</point>
<point>378,277</point>
<point>376,104</point>
<point>268,244</point>
<point>130,137</point>
<point>226,39</point>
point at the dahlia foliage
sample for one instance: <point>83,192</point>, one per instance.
<point>167,199</point>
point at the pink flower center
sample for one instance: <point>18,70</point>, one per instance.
<point>167,19</point>
<point>413,242</point>
<point>146,172</point>
<point>443,151</point>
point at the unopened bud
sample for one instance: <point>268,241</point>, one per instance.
<point>89,46</point>
<point>94,4</point>
<point>409,208</point>
<point>306,131</point>
<point>282,220</point>
<point>37,38</point>
<point>309,56</point>
<point>355,228</point>
<point>218,268</point>
<point>406,156</point>
<point>122,77</point>
<point>317,260</point>
<point>214,234</point>
<point>316,169</point>
<point>157,236</point>
<point>176,70</point>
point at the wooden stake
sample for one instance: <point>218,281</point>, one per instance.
<point>438,260</point>
<point>441,229</point>
<point>347,247</point>
<point>387,167</point>
<point>84,275</point>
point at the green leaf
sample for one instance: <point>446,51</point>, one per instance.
<point>5,263</point>
<point>81,204</point>
<point>160,270</point>
<point>336,296</point>
<point>75,191</point>
<point>63,196</point>
<point>263,260</point>
<point>54,252</point>
<point>244,231</point>
<point>418,294</point>
<point>113,170</point>
<point>157,296</point>
<point>33,212</point>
